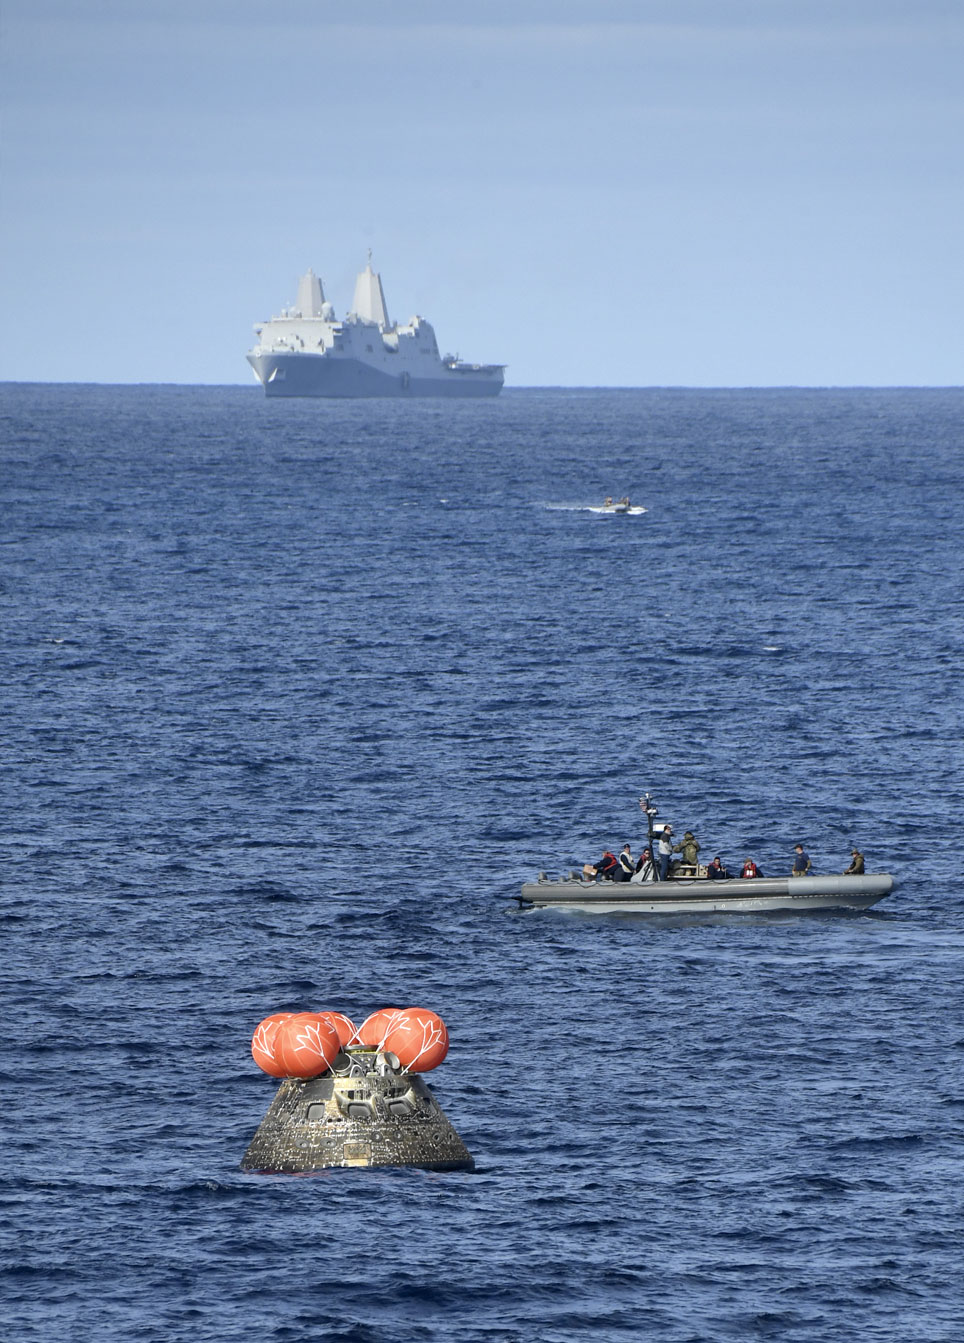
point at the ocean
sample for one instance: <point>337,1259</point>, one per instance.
<point>296,695</point>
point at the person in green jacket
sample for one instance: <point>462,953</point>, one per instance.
<point>690,849</point>
<point>856,867</point>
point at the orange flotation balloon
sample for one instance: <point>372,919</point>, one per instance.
<point>343,1025</point>
<point>373,1029</point>
<point>306,1045</point>
<point>419,1040</point>
<point>262,1044</point>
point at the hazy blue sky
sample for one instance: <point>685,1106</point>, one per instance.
<point>697,192</point>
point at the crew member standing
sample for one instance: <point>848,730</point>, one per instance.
<point>689,846</point>
<point>664,851</point>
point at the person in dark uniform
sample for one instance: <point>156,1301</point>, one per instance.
<point>856,868</point>
<point>716,871</point>
<point>645,869</point>
<point>801,863</point>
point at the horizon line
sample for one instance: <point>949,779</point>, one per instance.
<point>535,387</point>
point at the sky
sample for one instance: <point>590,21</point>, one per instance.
<point>593,192</point>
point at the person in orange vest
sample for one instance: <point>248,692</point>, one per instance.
<point>750,869</point>
<point>606,867</point>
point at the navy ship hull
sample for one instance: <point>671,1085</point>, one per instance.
<point>296,374</point>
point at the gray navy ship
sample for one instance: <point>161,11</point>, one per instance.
<point>306,351</point>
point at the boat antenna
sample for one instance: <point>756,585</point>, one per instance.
<point>649,811</point>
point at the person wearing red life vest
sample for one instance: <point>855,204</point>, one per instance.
<point>605,868</point>
<point>750,869</point>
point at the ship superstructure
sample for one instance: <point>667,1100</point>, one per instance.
<point>307,351</point>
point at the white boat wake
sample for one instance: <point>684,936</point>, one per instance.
<point>625,510</point>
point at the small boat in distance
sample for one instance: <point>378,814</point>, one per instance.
<point>621,508</point>
<point>625,509</point>
<point>691,890</point>
<point>610,505</point>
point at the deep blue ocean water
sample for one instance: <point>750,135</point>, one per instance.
<point>296,694</point>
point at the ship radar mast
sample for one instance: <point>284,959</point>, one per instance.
<point>311,296</point>
<point>369,302</point>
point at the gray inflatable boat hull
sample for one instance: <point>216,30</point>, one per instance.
<point>749,895</point>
